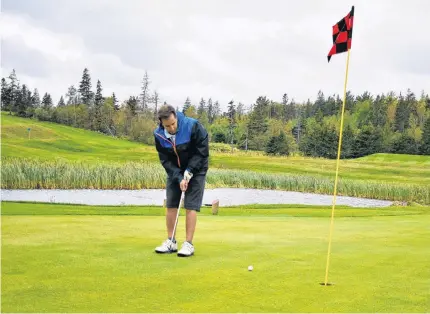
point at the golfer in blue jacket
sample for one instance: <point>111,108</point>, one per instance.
<point>183,148</point>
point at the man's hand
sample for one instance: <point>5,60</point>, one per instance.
<point>184,185</point>
<point>187,175</point>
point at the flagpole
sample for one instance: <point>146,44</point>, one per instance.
<point>337,169</point>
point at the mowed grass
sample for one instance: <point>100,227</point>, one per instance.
<point>66,258</point>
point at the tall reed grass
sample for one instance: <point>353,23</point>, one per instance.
<point>19,173</point>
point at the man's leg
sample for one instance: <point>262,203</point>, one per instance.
<point>170,220</point>
<point>190,225</point>
<point>173,197</point>
<point>193,202</point>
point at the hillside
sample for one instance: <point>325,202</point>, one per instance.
<point>50,141</point>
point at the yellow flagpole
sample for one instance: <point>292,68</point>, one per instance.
<point>337,169</point>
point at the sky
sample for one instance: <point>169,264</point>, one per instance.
<point>224,49</point>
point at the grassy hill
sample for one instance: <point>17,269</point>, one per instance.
<point>91,158</point>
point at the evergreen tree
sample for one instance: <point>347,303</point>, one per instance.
<point>368,141</point>
<point>98,104</point>
<point>348,140</point>
<point>47,101</point>
<point>210,111</point>
<point>14,92</point>
<point>202,108</point>
<point>402,115</point>
<point>132,104</point>
<point>231,113</point>
<point>240,110</point>
<point>425,144</point>
<point>155,100</point>
<point>257,124</point>
<point>187,105</point>
<point>61,102</point>
<point>23,101</point>
<point>6,98</point>
<point>378,112</point>
<point>277,145</point>
<point>36,98</point>
<point>85,88</point>
<point>405,144</point>
<point>115,102</point>
<point>216,110</point>
<point>72,95</point>
<point>329,107</point>
<point>144,96</point>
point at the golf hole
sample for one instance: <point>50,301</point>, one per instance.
<point>324,284</point>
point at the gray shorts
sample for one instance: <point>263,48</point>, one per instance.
<point>193,196</point>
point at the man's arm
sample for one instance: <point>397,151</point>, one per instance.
<point>200,149</point>
<point>172,170</point>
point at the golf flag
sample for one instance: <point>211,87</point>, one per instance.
<point>342,35</point>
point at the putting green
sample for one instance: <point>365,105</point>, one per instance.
<point>106,263</point>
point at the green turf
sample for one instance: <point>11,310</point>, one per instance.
<point>58,260</point>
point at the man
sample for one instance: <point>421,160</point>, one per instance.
<point>183,148</point>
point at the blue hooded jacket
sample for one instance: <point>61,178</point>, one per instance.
<point>189,151</point>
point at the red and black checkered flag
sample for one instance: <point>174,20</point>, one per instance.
<point>342,35</point>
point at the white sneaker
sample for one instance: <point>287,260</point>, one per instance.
<point>187,249</point>
<point>168,246</point>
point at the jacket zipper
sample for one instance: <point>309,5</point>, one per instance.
<point>174,148</point>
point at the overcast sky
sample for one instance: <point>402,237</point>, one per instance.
<point>224,49</point>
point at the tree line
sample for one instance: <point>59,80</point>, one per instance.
<point>383,123</point>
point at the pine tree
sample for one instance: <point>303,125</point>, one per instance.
<point>210,111</point>
<point>187,105</point>
<point>277,145</point>
<point>144,96</point>
<point>46,101</point>
<point>425,144</point>
<point>23,101</point>
<point>231,113</point>
<point>368,141</point>
<point>14,91</point>
<point>61,102</point>
<point>240,110</point>
<point>36,98</point>
<point>115,102</point>
<point>202,108</point>
<point>348,140</point>
<point>5,94</point>
<point>216,110</point>
<point>85,88</point>
<point>258,124</point>
<point>155,100</point>
<point>402,115</point>
<point>132,104</point>
<point>72,96</point>
<point>405,144</point>
<point>98,104</point>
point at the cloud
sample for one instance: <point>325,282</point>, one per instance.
<point>221,49</point>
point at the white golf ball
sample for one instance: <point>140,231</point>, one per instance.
<point>250,268</point>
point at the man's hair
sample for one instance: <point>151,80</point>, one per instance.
<point>165,111</point>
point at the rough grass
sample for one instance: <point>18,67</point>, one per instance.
<point>31,174</point>
<point>56,259</point>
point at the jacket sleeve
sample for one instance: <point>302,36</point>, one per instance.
<point>200,148</point>
<point>172,170</point>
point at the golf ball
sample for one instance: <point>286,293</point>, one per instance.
<point>250,268</point>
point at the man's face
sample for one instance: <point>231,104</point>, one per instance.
<point>170,124</point>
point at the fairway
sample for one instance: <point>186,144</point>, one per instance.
<point>101,259</point>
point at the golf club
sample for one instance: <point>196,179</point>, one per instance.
<point>177,214</point>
